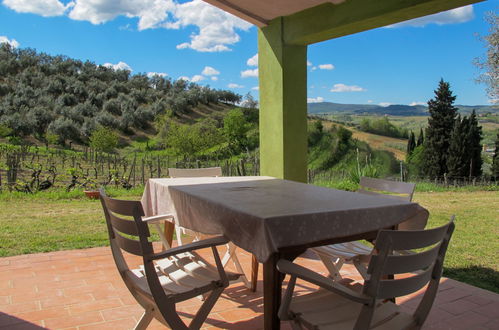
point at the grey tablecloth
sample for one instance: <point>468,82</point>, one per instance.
<point>263,214</point>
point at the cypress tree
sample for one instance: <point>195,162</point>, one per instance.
<point>420,138</point>
<point>440,125</point>
<point>411,144</point>
<point>473,139</point>
<point>458,154</point>
<point>495,159</point>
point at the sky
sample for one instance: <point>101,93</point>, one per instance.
<point>190,39</point>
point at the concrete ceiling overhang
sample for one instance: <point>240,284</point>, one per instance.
<point>310,21</point>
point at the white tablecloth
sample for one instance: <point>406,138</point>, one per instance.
<point>263,215</point>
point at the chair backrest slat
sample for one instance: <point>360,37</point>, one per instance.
<point>194,172</point>
<point>129,245</point>
<point>124,226</point>
<point>399,264</point>
<point>401,287</point>
<point>406,189</point>
<point>124,207</point>
<point>414,239</point>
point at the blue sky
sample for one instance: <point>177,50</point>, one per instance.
<point>393,65</point>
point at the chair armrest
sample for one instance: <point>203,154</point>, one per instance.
<point>287,267</point>
<point>210,242</point>
<point>156,218</point>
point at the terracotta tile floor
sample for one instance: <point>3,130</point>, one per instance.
<point>81,289</point>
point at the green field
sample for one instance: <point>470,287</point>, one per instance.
<point>489,123</point>
<point>50,222</point>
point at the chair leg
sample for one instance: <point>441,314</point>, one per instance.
<point>178,232</point>
<point>231,255</point>
<point>205,309</point>
<point>332,267</point>
<point>144,320</point>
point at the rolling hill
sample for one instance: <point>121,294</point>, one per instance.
<point>393,110</point>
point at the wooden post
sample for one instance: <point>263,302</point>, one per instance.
<point>159,167</point>
<point>143,170</point>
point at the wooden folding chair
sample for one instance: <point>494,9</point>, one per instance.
<point>180,231</point>
<point>335,255</point>
<point>165,278</point>
<point>335,306</point>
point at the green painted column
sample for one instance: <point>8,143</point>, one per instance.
<point>283,105</point>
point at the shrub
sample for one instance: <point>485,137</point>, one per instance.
<point>104,139</point>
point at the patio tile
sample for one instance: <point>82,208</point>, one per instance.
<point>63,300</point>
<point>126,323</point>
<point>73,320</point>
<point>25,297</point>
<point>492,324</point>
<point>459,306</point>
<point>82,289</point>
<point>44,314</point>
<point>122,312</point>
<point>19,308</point>
<point>468,320</point>
<point>95,306</point>
<point>490,310</point>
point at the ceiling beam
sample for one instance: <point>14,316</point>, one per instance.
<point>328,21</point>
<point>239,12</point>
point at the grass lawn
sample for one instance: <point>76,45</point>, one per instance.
<point>41,224</point>
<point>473,252</point>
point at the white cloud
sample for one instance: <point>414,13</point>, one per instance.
<point>12,42</point>
<point>313,68</point>
<point>232,85</point>
<point>44,8</point>
<point>309,63</point>
<point>453,16</point>
<point>317,99</point>
<point>151,13</point>
<point>384,104</point>
<point>160,74</point>
<point>216,29</point>
<point>197,78</point>
<point>184,78</point>
<point>417,103</point>
<point>249,73</point>
<point>326,66</point>
<point>253,61</point>
<point>209,71</point>
<point>370,101</point>
<point>340,88</point>
<point>214,78</point>
<point>119,66</point>
<point>256,88</point>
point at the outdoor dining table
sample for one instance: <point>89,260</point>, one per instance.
<point>273,218</point>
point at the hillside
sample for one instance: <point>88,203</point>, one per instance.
<point>394,109</point>
<point>395,146</point>
<point>56,99</point>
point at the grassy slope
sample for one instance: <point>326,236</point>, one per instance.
<point>40,224</point>
<point>395,146</point>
